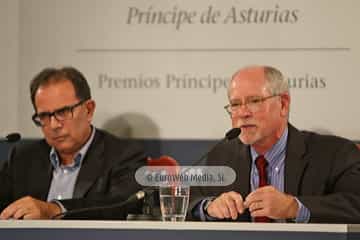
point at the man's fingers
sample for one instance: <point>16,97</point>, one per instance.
<point>259,213</point>
<point>224,209</point>
<point>231,205</point>
<point>19,214</point>
<point>255,196</point>
<point>258,209</point>
<point>252,198</point>
<point>227,205</point>
<point>5,214</point>
<point>255,206</point>
<point>9,211</point>
<point>31,215</point>
<point>28,208</point>
<point>238,200</point>
<point>216,212</point>
<point>239,204</point>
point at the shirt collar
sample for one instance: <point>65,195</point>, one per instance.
<point>54,157</point>
<point>275,151</point>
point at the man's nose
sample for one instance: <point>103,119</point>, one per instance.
<point>54,123</point>
<point>243,111</point>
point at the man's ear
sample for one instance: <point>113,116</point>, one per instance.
<point>285,104</point>
<point>90,107</point>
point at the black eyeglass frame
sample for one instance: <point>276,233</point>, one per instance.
<point>36,117</point>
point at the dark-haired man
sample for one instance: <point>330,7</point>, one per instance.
<point>74,163</point>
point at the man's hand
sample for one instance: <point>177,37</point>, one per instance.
<point>227,205</point>
<point>30,208</point>
<point>269,202</point>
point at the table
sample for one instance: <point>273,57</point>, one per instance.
<point>109,230</point>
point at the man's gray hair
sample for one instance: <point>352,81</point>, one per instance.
<point>276,83</point>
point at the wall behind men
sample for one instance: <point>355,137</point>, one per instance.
<point>9,67</point>
<point>159,69</point>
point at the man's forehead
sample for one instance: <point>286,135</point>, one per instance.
<point>55,95</point>
<point>60,84</point>
<point>250,73</point>
<point>248,82</point>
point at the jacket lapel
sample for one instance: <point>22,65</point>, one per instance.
<point>43,168</point>
<point>242,165</point>
<point>295,163</point>
<point>91,166</point>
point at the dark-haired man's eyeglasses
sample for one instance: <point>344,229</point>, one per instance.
<point>62,114</point>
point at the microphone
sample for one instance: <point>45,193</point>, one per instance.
<point>12,137</point>
<point>230,135</point>
<point>139,195</point>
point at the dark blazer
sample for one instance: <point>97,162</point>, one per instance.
<point>106,174</point>
<point>322,171</point>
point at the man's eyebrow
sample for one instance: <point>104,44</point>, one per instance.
<point>247,97</point>
<point>56,110</point>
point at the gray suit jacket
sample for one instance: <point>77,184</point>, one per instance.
<point>322,171</point>
<point>106,175</point>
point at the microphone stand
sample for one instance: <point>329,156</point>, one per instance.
<point>133,198</point>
